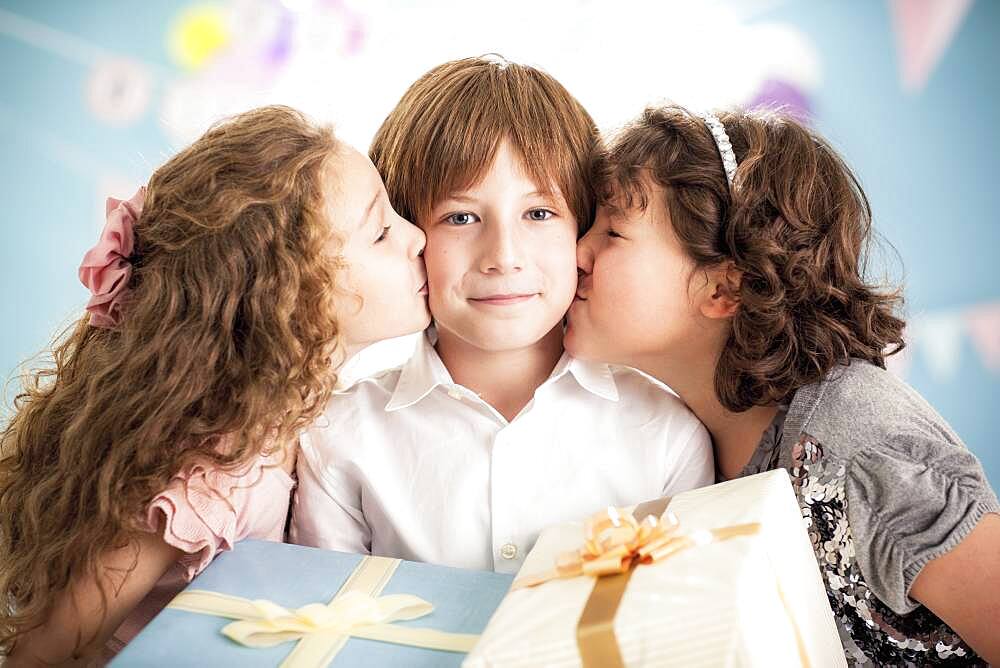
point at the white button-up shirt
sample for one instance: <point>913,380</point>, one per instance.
<point>409,464</point>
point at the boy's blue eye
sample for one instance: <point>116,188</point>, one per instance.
<point>461,218</point>
<point>540,215</point>
<point>613,234</point>
<point>385,234</point>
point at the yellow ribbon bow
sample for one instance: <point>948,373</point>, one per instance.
<point>322,629</point>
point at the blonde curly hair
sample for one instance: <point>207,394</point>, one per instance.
<point>228,331</point>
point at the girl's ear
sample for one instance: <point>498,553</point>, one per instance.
<point>721,298</point>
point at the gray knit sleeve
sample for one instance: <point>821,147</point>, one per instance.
<point>911,501</point>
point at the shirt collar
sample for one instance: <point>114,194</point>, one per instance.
<point>596,378</point>
<point>425,371</point>
<point>419,376</point>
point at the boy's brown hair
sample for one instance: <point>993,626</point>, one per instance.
<point>796,223</point>
<point>444,132</point>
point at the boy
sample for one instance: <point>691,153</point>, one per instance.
<point>490,432</point>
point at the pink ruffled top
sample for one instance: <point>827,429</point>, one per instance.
<point>204,512</point>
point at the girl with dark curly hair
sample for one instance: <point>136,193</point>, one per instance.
<point>728,259</point>
<point>225,294</point>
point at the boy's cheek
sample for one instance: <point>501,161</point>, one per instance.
<point>440,266</point>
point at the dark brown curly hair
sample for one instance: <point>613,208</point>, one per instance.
<point>797,225</point>
<point>228,330</point>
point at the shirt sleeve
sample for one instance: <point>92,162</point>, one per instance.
<point>327,512</point>
<point>204,510</point>
<point>693,465</point>
<point>909,503</point>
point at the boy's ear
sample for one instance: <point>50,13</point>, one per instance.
<point>722,294</point>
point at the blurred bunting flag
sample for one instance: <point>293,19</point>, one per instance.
<point>924,29</point>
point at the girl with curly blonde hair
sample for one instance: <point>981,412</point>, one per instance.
<point>728,259</point>
<point>225,294</point>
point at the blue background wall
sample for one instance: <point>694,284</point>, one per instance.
<point>927,157</point>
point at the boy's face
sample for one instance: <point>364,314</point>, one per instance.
<point>635,299</point>
<point>501,259</point>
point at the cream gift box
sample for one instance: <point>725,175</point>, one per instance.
<point>751,600</point>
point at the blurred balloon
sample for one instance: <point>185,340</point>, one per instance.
<point>280,45</point>
<point>263,35</point>
<point>118,90</point>
<point>354,26</point>
<point>197,36</point>
<point>786,97</point>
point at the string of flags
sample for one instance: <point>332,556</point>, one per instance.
<point>248,42</point>
<point>937,339</point>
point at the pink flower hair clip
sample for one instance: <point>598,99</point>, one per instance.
<point>106,267</point>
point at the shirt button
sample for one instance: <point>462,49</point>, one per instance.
<point>455,394</point>
<point>508,551</point>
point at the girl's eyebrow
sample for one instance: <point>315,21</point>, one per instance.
<point>368,210</point>
<point>615,214</point>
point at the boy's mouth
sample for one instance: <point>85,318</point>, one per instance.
<point>423,289</point>
<point>503,299</point>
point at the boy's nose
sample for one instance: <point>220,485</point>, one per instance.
<point>503,253</point>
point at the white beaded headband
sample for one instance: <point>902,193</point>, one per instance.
<point>722,142</point>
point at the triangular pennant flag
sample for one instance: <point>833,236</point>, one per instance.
<point>924,29</point>
<point>900,363</point>
<point>941,343</point>
<point>983,323</point>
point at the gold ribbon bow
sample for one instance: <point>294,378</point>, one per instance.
<point>614,543</point>
<point>322,630</point>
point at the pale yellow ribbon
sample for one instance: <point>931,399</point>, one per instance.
<point>322,630</point>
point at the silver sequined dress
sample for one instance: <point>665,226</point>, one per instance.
<point>872,633</point>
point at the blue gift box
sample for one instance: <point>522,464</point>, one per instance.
<point>293,576</point>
